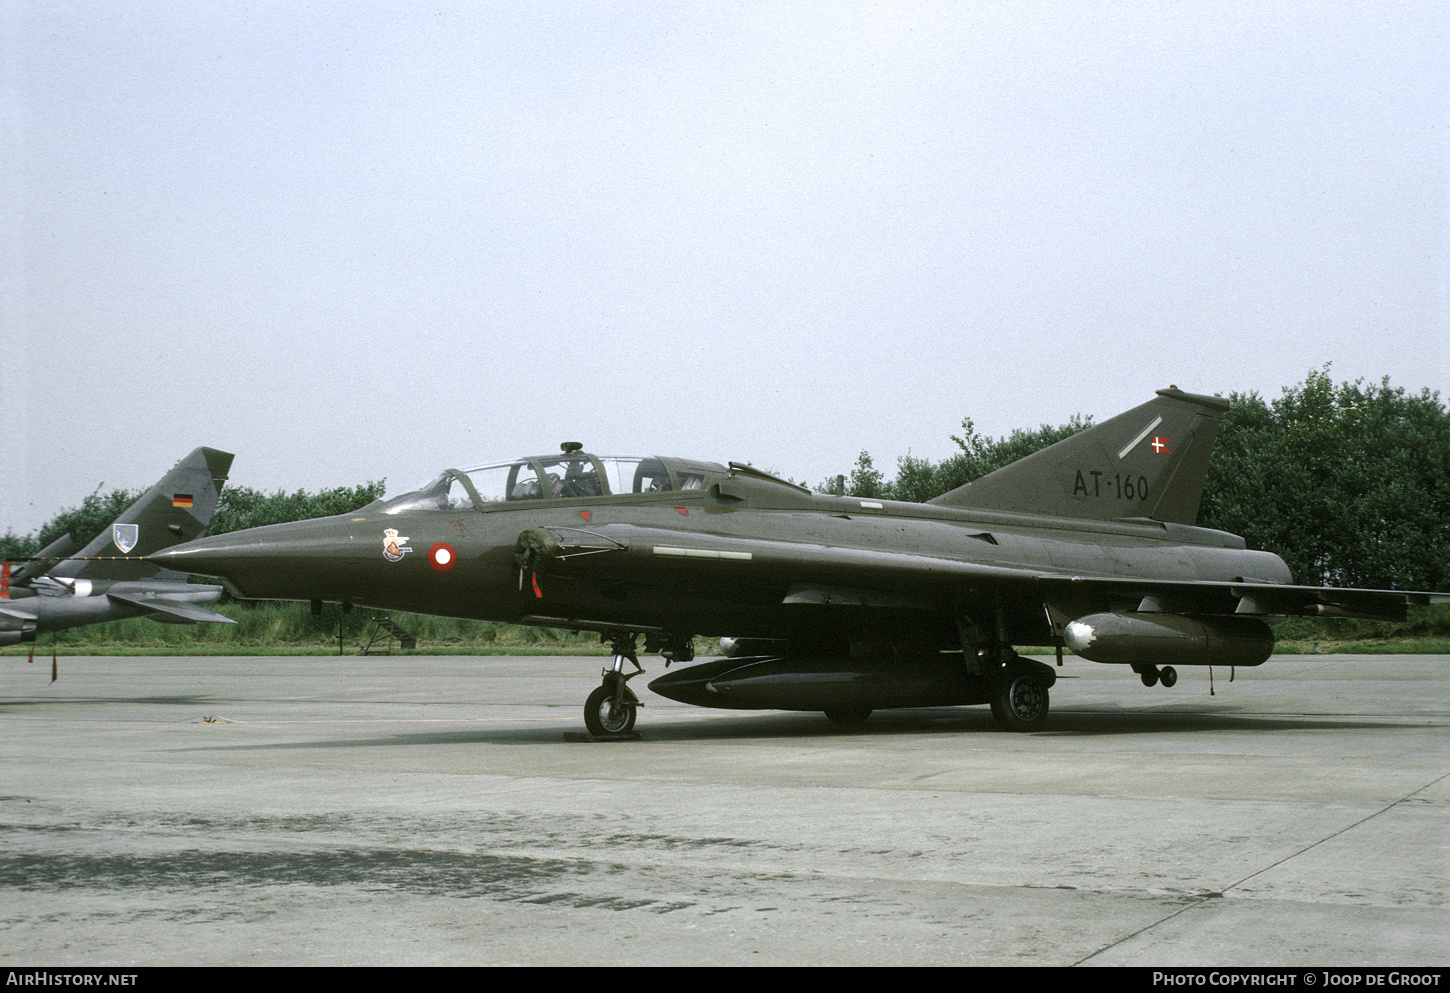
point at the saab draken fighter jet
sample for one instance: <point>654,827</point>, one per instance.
<point>111,578</point>
<point>1088,545</point>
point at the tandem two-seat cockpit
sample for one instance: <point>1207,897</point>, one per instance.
<point>575,474</point>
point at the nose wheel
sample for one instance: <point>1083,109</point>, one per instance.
<point>605,714</point>
<point>611,709</point>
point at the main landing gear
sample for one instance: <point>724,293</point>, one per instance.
<point>612,707</point>
<point>1019,694</point>
<point>1015,687</point>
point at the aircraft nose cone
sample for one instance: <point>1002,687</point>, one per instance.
<point>225,557</point>
<point>300,561</point>
<point>204,556</point>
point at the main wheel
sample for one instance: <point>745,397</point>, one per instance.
<point>1019,700</point>
<point>848,716</point>
<point>603,717</point>
<point>1168,675</point>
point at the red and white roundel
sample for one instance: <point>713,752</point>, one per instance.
<point>442,556</point>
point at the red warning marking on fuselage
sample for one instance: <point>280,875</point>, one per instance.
<point>584,514</point>
<point>682,510</point>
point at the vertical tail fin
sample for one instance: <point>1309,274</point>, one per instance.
<point>44,560</point>
<point>1149,462</point>
<point>177,509</point>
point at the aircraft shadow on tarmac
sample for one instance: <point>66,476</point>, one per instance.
<point>6,706</point>
<point>978,724</point>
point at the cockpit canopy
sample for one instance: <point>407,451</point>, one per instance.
<point>575,475</point>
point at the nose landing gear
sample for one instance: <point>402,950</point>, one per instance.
<point>611,709</point>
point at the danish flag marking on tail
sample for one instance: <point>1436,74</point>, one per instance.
<point>1141,435</point>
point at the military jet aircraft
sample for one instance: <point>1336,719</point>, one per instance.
<point>111,578</point>
<point>860,604</point>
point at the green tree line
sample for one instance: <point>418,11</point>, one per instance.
<point>242,508</point>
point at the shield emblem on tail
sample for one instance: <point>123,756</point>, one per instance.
<point>125,536</point>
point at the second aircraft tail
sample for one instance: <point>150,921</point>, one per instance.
<point>176,509</point>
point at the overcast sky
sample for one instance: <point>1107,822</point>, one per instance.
<point>362,240</point>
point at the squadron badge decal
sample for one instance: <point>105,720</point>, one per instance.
<point>393,547</point>
<point>125,536</point>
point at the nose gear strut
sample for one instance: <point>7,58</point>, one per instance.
<point>612,707</point>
